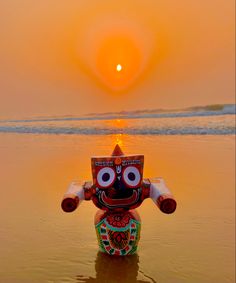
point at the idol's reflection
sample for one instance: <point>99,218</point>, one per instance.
<point>115,269</point>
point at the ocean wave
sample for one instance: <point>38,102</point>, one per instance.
<point>197,111</point>
<point>206,110</point>
<point>199,121</point>
<point>110,131</point>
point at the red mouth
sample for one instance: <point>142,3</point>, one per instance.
<point>120,202</point>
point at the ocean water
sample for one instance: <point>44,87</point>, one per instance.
<point>200,121</point>
<point>195,154</point>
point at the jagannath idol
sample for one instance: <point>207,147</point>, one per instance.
<point>117,189</point>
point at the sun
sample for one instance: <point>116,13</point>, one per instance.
<point>118,60</point>
<point>118,68</point>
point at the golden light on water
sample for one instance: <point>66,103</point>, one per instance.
<point>118,139</point>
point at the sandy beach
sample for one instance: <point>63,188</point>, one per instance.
<point>41,243</point>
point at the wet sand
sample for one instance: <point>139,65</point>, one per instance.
<point>40,243</point>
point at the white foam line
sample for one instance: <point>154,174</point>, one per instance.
<point>226,130</point>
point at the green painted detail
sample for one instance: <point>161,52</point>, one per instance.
<point>102,249</point>
<point>131,244</point>
<point>133,250</point>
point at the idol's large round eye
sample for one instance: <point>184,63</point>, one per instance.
<point>131,176</point>
<point>106,177</point>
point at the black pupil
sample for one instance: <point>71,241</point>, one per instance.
<point>105,177</point>
<point>131,176</point>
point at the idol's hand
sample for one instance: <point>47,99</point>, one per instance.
<point>70,204</point>
<point>162,196</point>
<point>73,197</point>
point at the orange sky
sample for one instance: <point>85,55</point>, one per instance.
<point>60,57</point>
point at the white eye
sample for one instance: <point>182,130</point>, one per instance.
<point>131,176</point>
<point>106,177</point>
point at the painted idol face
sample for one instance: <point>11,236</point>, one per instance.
<point>117,181</point>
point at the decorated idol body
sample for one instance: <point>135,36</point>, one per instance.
<point>117,189</point>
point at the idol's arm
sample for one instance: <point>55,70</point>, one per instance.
<point>162,196</point>
<point>73,197</point>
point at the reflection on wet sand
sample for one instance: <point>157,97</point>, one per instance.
<point>114,269</point>
<point>43,244</point>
